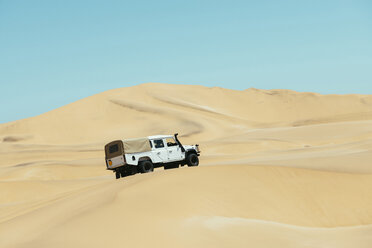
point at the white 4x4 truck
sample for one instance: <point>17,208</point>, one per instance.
<point>127,157</point>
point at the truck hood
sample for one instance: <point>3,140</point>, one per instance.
<point>190,147</point>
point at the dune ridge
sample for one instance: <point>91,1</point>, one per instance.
<point>136,106</point>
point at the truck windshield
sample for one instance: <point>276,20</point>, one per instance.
<point>171,142</point>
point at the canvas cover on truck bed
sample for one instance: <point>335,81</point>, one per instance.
<point>137,145</point>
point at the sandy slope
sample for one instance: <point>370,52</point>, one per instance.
<point>279,168</point>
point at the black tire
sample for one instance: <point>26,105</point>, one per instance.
<point>117,174</point>
<point>146,166</point>
<point>192,160</point>
<point>171,166</point>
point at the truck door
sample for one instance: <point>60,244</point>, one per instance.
<point>160,150</point>
<point>174,150</point>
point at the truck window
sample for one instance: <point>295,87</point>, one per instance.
<point>150,143</point>
<point>171,142</point>
<point>113,148</point>
<point>159,143</point>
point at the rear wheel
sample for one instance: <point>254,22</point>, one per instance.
<point>146,166</point>
<point>117,174</point>
<point>192,160</point>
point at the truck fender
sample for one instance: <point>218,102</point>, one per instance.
<point>144,158</point>
<point>189,152</point>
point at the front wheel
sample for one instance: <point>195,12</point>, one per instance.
<point>146,166</point>
<point>192,160</point>
<point>117,174</point>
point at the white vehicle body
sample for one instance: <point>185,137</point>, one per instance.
<point>160,150</point>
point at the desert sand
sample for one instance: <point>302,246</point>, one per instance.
<point>278,169</point>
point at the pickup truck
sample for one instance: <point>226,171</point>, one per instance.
<point>130,156</point>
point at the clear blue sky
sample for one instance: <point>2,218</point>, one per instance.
<point>56,52</point>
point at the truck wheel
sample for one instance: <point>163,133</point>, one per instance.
<point>146,166</point>
<point>192,160</point>
<point>117,174</point>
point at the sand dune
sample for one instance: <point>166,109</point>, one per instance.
<point>186,109</point>
<point>278,168</point>
<point>203,206</point>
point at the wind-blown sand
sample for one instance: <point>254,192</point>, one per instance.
<point>278,169</point>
